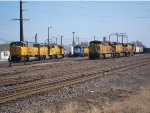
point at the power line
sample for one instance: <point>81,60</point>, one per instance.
<point>87,15</point>
<point>5,40</point>
<point>89,8</point>
<point>6,23</point>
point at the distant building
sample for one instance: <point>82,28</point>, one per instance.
<point>4,51</point>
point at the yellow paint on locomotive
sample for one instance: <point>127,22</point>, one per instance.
<point>130,48</point>
<point>55,50</point>
<point>32,51</point>
<point>62,52</point>
<point>43,51</point>
<point>86,50</point>
<point>101,48</point>
<point>104,49</point>
<point>18,51</point>
<point>119,48</point>
<point>26,51</point>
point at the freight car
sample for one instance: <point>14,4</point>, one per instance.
<point>99,49</point>
<point>139,50</point>
<point>146,50</point>
<point>26,51</point>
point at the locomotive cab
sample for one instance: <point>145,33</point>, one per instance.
<point>21,44</point>
<point>94,49</point>
<point>17,50</point>
<point>78,51</point>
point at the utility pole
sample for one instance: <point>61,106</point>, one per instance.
<point>36,38</point>
<point>48,35</point>
<point>61,39</point>
<point>56,40</point>
<point>104,39</point>
<point>73,38</point>
<point>122,37</point>
<point>48,39</point>
<point>117,36</point>
<point>94,37</point>
<point>21,22</point>
<point>127,38</point>
<point>78,40</point>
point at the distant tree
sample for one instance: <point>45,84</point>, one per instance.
<point>84,43</point>
<point>138,44</point>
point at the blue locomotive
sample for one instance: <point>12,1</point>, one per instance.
<point>78,51</point>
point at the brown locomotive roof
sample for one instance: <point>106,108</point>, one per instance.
<point>4,47</point>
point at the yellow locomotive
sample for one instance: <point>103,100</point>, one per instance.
<point>86,51</point>
<point>98,49</point>
<point>25,51</point>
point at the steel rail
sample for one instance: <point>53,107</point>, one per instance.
<point>27,79</point>
<point>35,77</point>
<point>31,90</point>
<point>28,68</point>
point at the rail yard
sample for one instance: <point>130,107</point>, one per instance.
<point>107,74</point>
<point>21,83</point>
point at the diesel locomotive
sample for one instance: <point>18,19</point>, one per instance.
<point>26,51</point>
<point>102,49</point>
<point>80,51</point>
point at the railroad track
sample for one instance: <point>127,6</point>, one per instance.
<point>29,68</point>
<point>42,62</point>
<point>20,92</point>
<point>37,77</point>
<point>36,66</point>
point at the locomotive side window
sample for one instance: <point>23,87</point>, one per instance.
<point>17,44</point>
<point>95,42</point>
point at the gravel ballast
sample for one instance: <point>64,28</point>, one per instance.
<point>129,82</point>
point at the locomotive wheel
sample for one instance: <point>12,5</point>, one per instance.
<point>101,56</point>
<point>50,57</point>
<point>104,56</point>
<point>44,57</point>
<point>113,54</point>
<point>117,55</point>
<point>90,57</point>
<point>127,54</point>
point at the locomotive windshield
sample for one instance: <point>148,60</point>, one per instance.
<point>22,44</point>
<point>95,42</point>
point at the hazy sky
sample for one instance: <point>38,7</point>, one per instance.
<point>85,18</point>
